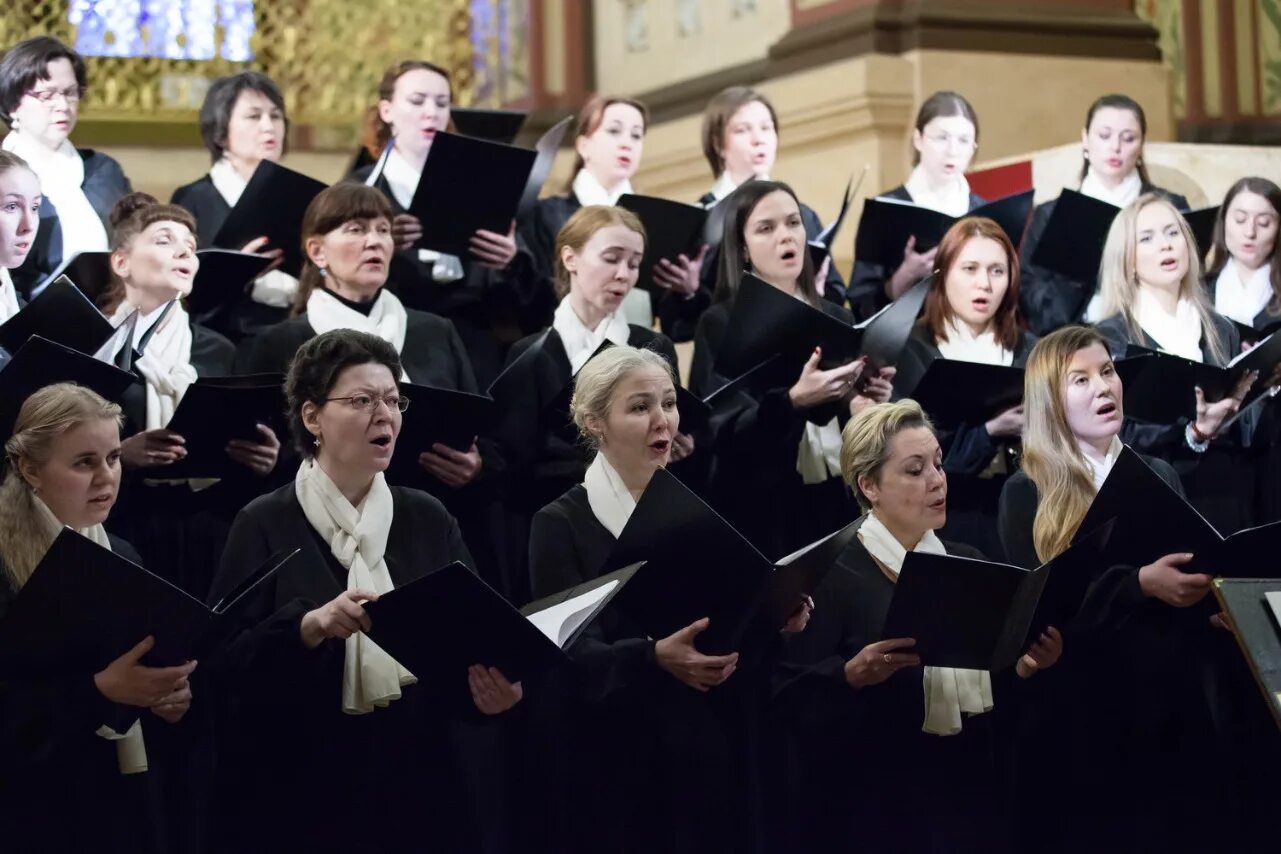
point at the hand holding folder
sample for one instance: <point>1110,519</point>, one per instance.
<point>272,206</point>
<point>887,224</point>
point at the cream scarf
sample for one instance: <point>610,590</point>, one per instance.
<point>402,178</point>
<point>953,198</point>
<point>1240,294</point>
<point>949,691</point>
<point>580,342</point>
<point>62,174</point>
<point>131,750</point>
<point>964,346</point>
<point>275,288</point>
<point>166,364</point>
<point>1120,196</point>
<point>387,319</point>
<point>818,456</point>
<point>725,185</point>
<point>1099,469</point>
<point>357,537</point>
<point>8,296</point>
<point>611,502</point>
<point>1179,333</point>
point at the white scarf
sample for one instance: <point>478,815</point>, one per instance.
<point>953,198</point>
<point>402,178</point>
<point>1240,294</point>
<point>964,346</point>
<point>949,691</point>
<point>725,185</point>
<point>131,749</point>
<point>611,502</point>
<point>166,363</point>
<point>61,173</point>
<point>1099,469</point>
<point>275,288</point>
<point>357,537</point>
<point>580,342</point>
<point>1179,333</point>
<point>1120,196</point>
<point>818,456</point>
<point>8,296</point>
<point>589,191</point>
<point>387,319</point>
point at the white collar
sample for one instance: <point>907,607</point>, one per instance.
<point>610,499</point>
<point>1124,193</point>
<point>953,198</point>
<point>589,191</point>
<point>62,173</point>
<point>8,296</point>
<point>1179,333</point>
<point>227,181</point>
<point>580,342</point>
<point>1242,299</point>
<point>1099,469</point>
<point>725,185</point>
<point>963,345</point>
<point>401,177</point>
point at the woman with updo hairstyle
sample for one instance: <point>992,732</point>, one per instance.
<point>20,201</point>
<point>688,771</point>
<point>42,83</point>
<point>83,753</point>
<point>971,314</point>
<point>484,292</point>
<point>893,756</point>
<point>399,766</point>
<point>242,123</point>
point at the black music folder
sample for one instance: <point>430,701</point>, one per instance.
<point>271,206</point>
<point>887,224</point>
<point>1160,387</point>
<point>488,124</point>
<point>544,158</point>
<point>697,565</point>
<point>215,410</point>
<point>85,606</point>
<point>820,248</point>
<point>1201,221</point>
<point>1253,606</point>
<point>1153,521</point>
<point>468,184</point>
<point>223,279</point>
<point>41,362</point>
<point>982,615</point>
<point>956,392</point>
<point>672,229</point>
<point>1072,243</point>
<point>88,271</point>
<point>453,418</point>
<point>61,313</point>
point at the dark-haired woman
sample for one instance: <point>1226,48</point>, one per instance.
<point>242,123</point>
<point>41,84</point>
<point>944,142</point>
<point>1112,171</point>
<point>481,293</point>
<point>777,469</point>
<point>335,746</point>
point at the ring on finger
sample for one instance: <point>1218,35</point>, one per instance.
<point>886,656</point>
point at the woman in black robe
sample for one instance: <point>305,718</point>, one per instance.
<point>890,756</point>
<point>971,314</point>
<point>327,764</point>
<point>66,786</point>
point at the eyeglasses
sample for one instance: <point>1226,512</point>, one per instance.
<point>945,139</point>
<point>366,402</point>
<point>47,96</point>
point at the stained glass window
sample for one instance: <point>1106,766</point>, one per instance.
<point>168,29</point>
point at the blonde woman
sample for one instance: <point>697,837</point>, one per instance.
<point>1151,293</point>
<point>78,774</point>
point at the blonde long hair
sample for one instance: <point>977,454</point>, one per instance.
<point>1051,457</point>
<point>1119,276</point>
<point>46,415</point>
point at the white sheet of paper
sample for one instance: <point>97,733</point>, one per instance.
<point>559,622</point>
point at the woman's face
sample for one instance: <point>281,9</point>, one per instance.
<point>641,423</point>
<point>47,113</point>
<point>910,496</point>
<point>80,480</point>
<point>1092,399</point>
<point>357,433</point>
<point>355,256</point>
<point>774,238</point>
<point>418,110</point>
<point>256,129</point>
<point>750,143</point>
<point>161,261</point>
<point>1250,229</point>
<point>19,215</point>
<point>977,282</point>
<point>612,152</point>
<point>604,271</point>
<point>1161,250</point>
<point>1113,142</point>
<point>946,145</point>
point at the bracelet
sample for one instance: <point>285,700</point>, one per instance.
<point>1190,435</point>
<point>1201,438</point>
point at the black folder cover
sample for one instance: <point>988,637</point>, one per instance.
<point>1072,243</point>
<point>271,206</point>
<point>41,362</point>
<point>1201,221</point>
<point>468,184</point>
<point>223,278</point>
<point>1160,387</point>
<point>887,224</point>
<point>956,392</point>
<point>1257,628</point>
<point>85,606</point>
<point>88,271</point>
<point>216,410</point>
<point>489,124</point>
<point>821,247</point>
<point>671,229</point>
<point>544,158</point>
<point>61,313</point>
